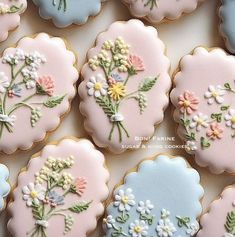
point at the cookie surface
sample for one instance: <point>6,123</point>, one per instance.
<point>167,207</point>
<point>204,97</point>
<point>125,84</point>
<point>10,15</point>
<point>34,94</point>
<point>61,192</point>
<point>219,221</point>
<point>156,11</point>
<point>227,16</point>
<point>66,12</point>
<point>4,185</point>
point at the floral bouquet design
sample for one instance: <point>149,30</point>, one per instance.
<point>45,199</point>
<point>62,4</point>
<point>110,88</point>
<point>23,79</point>
<point>10,9</point>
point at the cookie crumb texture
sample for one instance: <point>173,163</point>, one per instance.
<point>66,12</point>
<point>157,11</point>
<point>10,16</point>
<point>34,94</point>
<point>4,185</point>
<point>125,86</point>
<point>167,207</point>
<point>61,192</point>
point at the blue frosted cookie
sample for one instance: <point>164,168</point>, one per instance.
<point>159,199</point>
<point>227,27</point>
<point>66,12</point>
<point>4,185</point>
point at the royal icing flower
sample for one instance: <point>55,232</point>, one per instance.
<point>45,85</point>
<point>8,119</point>
<point>97,86</point>
<point>228,235</point>
<point>54,199</point>
<point>190,146</point>
<point>15,91</point>
<point>199,121</point>
<point>193,229</point>
<point>80,185</point>
<point>124,200</point>
<point>117,91</point>
<point>138,229</point>
<point>33,194</point>
<point>230,118</point>
<point>136,63</point>
<point>145,207</point>
<point>4,8</point>
<point>215,131</point>
<point>109,221</point>
<point>4,82</point>
<point>165,214</point>
<point>215,93</point>
<point>165,228</point>
<point>188,103</point>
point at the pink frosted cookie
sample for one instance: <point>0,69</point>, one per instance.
<point>61,193</point>
<point>157,11</point>
<point>34,94</point>
<point>204,97</point>
<point>10,15</point>
<point>220,219</point>
<point>125,86</point>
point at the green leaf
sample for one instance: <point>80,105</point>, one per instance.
<point>80,207</point>
<point>230,223</point>
<point>117,232</point>
<point>205,143</point>
<point>106,105</point>
<point>228,86</point>
<point>148,84</point>
<point>191,136</point>
<point>217,117</point>
<point>224,107</point>
<point>183,221</point>
<point>123,218</point>
<point>54,101</point>
<point>1,110</point>
<point>37,211</point>
<point>14,8</point>
<point>185,122</point>
<point>147,218</point>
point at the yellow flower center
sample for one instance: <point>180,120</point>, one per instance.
<point>116,91</point>
<point>216,133</point>
<point>215,94</point>
<point>233,119</point>
<point>98,86</point>
<point>186,103</point>
<point>33,194</point>
<point>125,199</point>
<point>138,229</point>
<point>200,121</point>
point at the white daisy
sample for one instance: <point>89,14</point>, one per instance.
<point>33,193</point>
<point>230,118</point>
<point>145,207</point>
<point>30,84</point>
<point>109,221</point>
<point>124,200</point>
<point>199,121</point>
<point>138,229</point>
<point>215,93</point>
<point>193,229</point>
<point>165,228</point>
<point>190,146</point>
<point>4,82</point>
<point>97,86</point>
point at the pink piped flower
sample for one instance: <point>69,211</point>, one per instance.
<point>80,184</point>
<point>136,63</point>
<point>188,102</point>
<point>215,131</point>
<point>45,85</point>
<point>111,80</point>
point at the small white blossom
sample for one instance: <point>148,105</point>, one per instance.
<point>67,180</point>
<point>145,207</point>
<point>138,229</point>
<point>199,121</point>
<point>165,228</point>
<point>124,200</point>
<point>230,118</point>
<point>193,229</point>
<point>215,93</point>
<point>165,214</point>
<point>97,86</point>
<point>4,82</point>
<point>4,8</point>
<point>30,84</point>
<point>190,146</point>
<point>109,221</point>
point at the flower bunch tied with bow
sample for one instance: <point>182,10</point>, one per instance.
<point>110,86</point>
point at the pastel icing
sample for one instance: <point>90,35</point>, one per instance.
<point>227,25</point>
<point>125,84</point>
<point>10,15</point>
<point>66,12</point>
<point>158,10</point>
<point>219,220</point>
<point>34,93</point>
<point>167,207</point>
<point>4,185</point>
<point>61,192</point>
<point>205,101</point>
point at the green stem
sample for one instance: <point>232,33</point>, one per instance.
<point>122,126</point>
<point>111,132</point>
<point>119,131</point>
<point>127,79</point>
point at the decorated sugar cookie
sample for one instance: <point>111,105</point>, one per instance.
<point>220,219</point>
<point>204,97</point>
<point>4,185</point>
<point>34,94</point>
<point>167,207</point>
<point>66,12</point>
<point>157,11</point>
<point>125,84</point>
<point>61,193</point>
<point>227,23</point>
<point>10,11</point>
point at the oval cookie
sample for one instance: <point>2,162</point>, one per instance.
<point>4,185</point>
<point>34,93</point>
<point>157,11</point>
<point>66,12</point>
<point>219,221</point>
<point>204,97</point>
<point>167,207</point>
<point>227,23</point>
<point>125,84</point>
<point>61,192</point>
<point>10,15</point>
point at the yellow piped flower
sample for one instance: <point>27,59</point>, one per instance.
<point>117,91</point>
